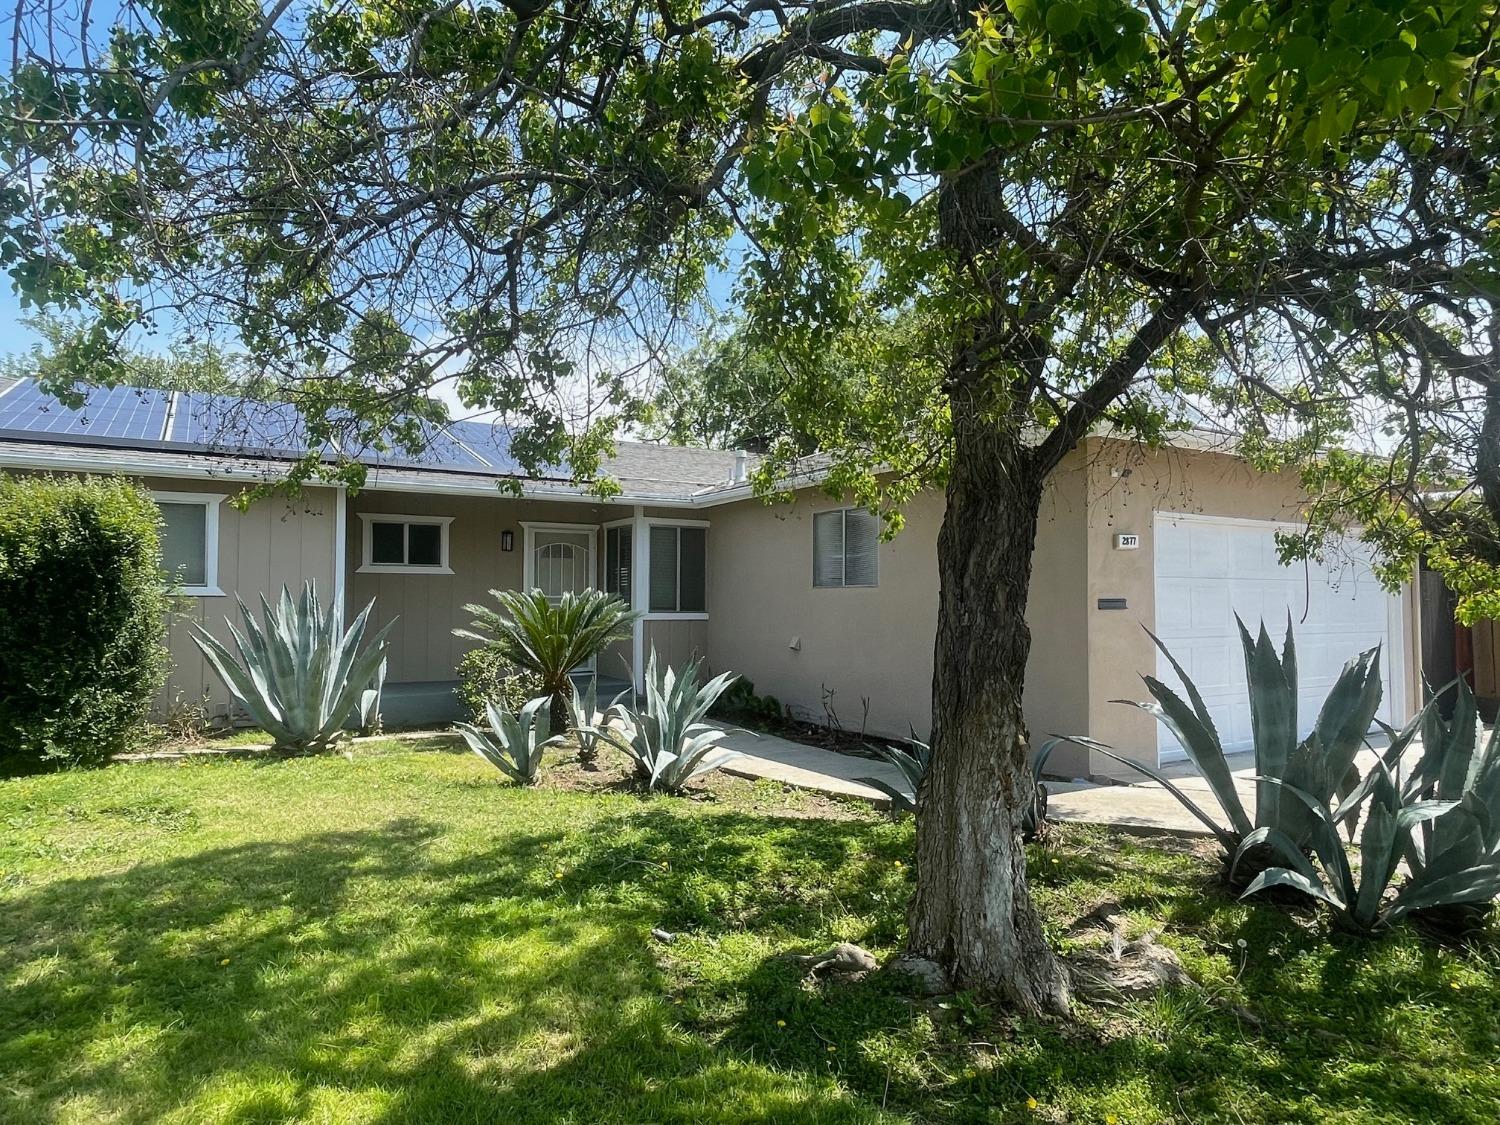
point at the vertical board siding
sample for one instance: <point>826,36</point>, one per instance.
<point>275,542</point>
<point>677,643</point>
<point>426,608</point>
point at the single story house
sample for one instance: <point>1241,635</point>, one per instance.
<point>802,597</point>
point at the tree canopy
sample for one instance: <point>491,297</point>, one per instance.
<point>1129,214</point>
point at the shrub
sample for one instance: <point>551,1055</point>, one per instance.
<point>667,737</point>
<point>740,704</point>
<point>302,676</point>
<point>913,763</point>
<point>83,619</point>
<point>486,675</point>
<point>550,639</point>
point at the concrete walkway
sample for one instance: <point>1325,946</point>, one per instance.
<point>1146,808</point>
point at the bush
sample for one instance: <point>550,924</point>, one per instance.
<point>740,705</point>
<point>82,648</point>
<point>486,676</point>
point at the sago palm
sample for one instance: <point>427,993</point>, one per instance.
<point>549,639</point>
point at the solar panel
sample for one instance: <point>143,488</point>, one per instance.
<point>130,416</point>
<point>224,423</point>
<point>440,450</point>
<point>123,414</point>
<point>490,440</point>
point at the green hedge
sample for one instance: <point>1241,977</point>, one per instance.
<point>82,618</point>
<point>486,676</point>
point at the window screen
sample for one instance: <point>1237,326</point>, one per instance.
<point>846,544</point>
<point>388,544</point>
<point>424,544</point>
<point>663,570</point>
<point>692,576</point>
<point>679,570</point>
<point>184,543</point>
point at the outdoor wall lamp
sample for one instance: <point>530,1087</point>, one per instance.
<point>507,540</point>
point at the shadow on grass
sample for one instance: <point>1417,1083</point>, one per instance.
<point>404,973</point>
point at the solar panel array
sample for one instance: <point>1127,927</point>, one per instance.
<point>119,414</point>
<point>131,417</point>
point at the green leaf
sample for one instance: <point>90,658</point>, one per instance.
<point>1063,18</point>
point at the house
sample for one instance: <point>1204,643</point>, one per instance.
<point>802,598</point>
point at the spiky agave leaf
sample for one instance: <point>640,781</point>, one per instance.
<point>513,744</point>
<point>666,736</point>
<point>298,675</point>
<point>912,765</point>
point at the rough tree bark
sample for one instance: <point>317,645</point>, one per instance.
<point>972,912</point>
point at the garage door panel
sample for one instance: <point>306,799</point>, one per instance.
<point>1212,570</point>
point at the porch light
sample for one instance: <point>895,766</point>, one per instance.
<point>507,540</point>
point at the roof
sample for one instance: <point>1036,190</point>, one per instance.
<point>179,433</point>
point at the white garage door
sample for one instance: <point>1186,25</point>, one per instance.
<point>1207,570</point>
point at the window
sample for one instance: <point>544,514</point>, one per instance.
<point>190,541</point>
<point>406,544</point>
<point>679,571</point>
<point>617,570</point>
<point>845,543</point>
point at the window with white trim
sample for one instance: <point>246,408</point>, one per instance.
<point>189,536</point>
<point>845,547</point>
<point>405,544</point>
<point>679,569</point>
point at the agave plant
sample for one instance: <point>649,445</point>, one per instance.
<point>911,764</point>
<point>667,738</point>
<point>1454,858</point>
<point>369,702</point>
<point>1320,765</point>
<point>550,639</point>
<point>1358,901</point>
<point>301,676</point>
<point>513,744</point>
<point>583,716</point>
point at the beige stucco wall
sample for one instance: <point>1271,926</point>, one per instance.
<point>874,645</point>
<point>275,541</point>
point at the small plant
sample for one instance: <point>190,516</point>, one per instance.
<point>550,639</point>
<point>513,743</point>
<point>583,716</point>
<point>1321,765</point>
<point>301,676</point>
<point>667,738</point>
<point>913,765</point>
<point>369,702</point>
<point>486,675</point>
<point>740,704</point>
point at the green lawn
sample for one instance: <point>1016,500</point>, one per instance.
<point>398,937</point>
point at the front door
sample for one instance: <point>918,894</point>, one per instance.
<point>559,560</point>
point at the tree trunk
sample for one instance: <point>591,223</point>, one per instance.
<point>972,912</point>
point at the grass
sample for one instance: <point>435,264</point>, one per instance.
<point>396,936</point>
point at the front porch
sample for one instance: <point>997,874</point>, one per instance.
<point>423,557</point>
